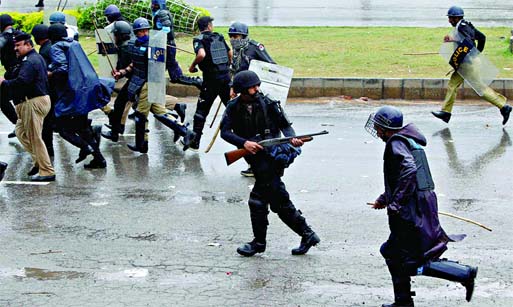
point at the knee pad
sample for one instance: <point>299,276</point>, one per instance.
<point>256,204</point>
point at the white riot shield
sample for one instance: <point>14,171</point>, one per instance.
<point>157,67</point>
<point>476,69</point>
<point>275,79</point>
<point>107,53</point>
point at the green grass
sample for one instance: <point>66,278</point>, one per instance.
<point>358,51</point>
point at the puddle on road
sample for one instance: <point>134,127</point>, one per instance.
<point>42,274</point>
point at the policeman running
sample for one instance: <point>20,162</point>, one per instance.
<point>163,21</point>
<point>417,240</point>
<point>465,35</point>
<point>213,56</point>
<point>138,92</point>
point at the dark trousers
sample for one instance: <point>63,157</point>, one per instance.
<point>403,256</point>
<point>7,107</point>
<point>173,69</point>
<point>269,190</point>
<point>119,108</point>
<point>211,89</point>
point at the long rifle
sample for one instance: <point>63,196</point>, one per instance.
<point>234,155</point>
<point>103,44</point>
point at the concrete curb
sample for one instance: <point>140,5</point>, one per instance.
<point>374,88</point>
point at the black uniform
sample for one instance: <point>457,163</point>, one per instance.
<point>216,77</point>
<point>48,123</point>
<point>265,118</point>
<point>9,62</point>
<point>250,50</point>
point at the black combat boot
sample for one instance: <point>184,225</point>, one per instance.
<point>251,248</point>
<point>141,143</point>
<point>3,167</point>
<point>194,142</point>
<point>185,80</point>
<point>180,110</point>
<point>505,112</point>
<point>178,128</point>
<point>84,152</point>
<point>40,3</point>
<point>453,271</point>
<point>97,162</point>
<point>111,135</point>
<point>402,292</point>
<point>445,116</point>
<point>308,239</point>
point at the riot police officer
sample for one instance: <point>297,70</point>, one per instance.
<point>468,33</point>
<point>213,56</point>
<point>245,118</point>
<point>113,14</point>
<point>9,62</point>
<point>122,31</point>
<point>245,50</point>
<point>138,92</point>
<point>416,239</point>
<point>163,21</point>
<point>60,18</point>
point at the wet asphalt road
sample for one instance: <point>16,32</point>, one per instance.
<point>161,229</point>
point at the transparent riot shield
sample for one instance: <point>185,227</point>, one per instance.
<point>477,71</point>
<point>107,53</point>
<point>157,67</point>
<point>275,79</point>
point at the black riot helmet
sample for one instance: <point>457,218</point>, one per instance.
<point>455,11</point>
<point>40,32</point>
<point>387,117</point>
<point>122,27</point>
<point>244,80</point>
<point>57,32</point>
<point>238,28</point>
<point>5,20</point>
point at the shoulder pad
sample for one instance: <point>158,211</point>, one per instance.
<point>254,42</point>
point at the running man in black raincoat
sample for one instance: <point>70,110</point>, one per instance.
<point>416,238</point>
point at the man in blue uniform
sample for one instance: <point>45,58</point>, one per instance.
<point>416,239</point>
<point>247,117</point>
